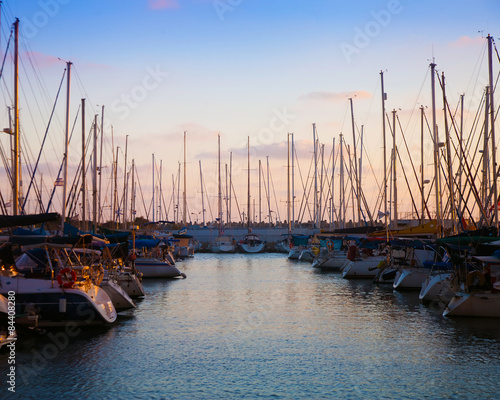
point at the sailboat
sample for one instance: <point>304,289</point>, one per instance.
<point>251,243</point>
<point>222,243</point>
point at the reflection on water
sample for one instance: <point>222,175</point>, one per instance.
<point>260,326</point>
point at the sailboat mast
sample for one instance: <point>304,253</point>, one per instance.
<point>356,183</point>
<point>84,223</point>
<point>493,140</point>
<point>437,173</point>
<point>125,199</point>
<point>15,153</point>
<point>94,179</point>
<point>100,167</point>
<point>132,195</point>
<point>293,187</point>
<point>260,193</point>
<point>219,198</point>
<point>202,195</point>
<point>384,98</point>
<point>66,147</point>
<point>451,186</point>
<point>422,182</point>
<point>395,220</point>
<point>315,198</point>
<point>269,194</point>
<point>230,186</point>
<point>288,186</point>
<point>184,202</point>
<point>248,187</point>
<point>153,197</point>
<point>342,193</point>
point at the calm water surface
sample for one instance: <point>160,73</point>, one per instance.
<point>260,326</point>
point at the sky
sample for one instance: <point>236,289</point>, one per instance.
<point>242,69</point>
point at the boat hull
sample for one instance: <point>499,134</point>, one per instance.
<point>46,303</point>
<point>362,268</point>
<point>474,305</point>
<point>152,268</point>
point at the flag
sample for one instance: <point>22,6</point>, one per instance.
<point>59,182</point>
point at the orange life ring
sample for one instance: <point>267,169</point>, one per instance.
<point>66,278</point>
<point>330,245</point>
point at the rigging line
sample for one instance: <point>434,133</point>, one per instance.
<point>473,186</point>
<point>43,141</point>
<point>416,100</point>
<point>142,198</point>
<point>411,161</point>
<point>62,164</point>
<point>275,200</point>
<point>6,52</point>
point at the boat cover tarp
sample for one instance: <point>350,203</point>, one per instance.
<point>9,221</point>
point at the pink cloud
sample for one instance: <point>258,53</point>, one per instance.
<point>163,4</point>
<point>335,96</point>
<point>465,41</point>
<point>43,60</point>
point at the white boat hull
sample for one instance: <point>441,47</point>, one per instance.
<point>365,268</point>
<point>436,288</point>
<point>410,278</point>
<point>42,300</point>
<point>474,305</point>
<point>131,283</point>
<point>121,300</point>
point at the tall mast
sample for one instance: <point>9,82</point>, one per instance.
<point>160,194</point>
<point>153,197</point>
<point>230,185</point>
<point>66,147</point>
<point>94,178</point>
<point>84,223</point>
<point>395,220</point>
<point>486,166</point>
<point>116,217</point>
<point>202,195</point>
<point>268,193</point>
<point>100,166</point>
<point>184,202</point>
<point>422,182</point>
<point>248,188</point>
<point>288,187</point>
<point>15,155</point>
<point>315,206</point>
<point>260,194</point>
<point>333,188</point>
<point>451,186</point>
<point>461,141</point>
<point>384,98</point>
<point>493,140</point>
<point>125,198</point>
<point>132,195</point>
<point>293,187</point>
<point>356,183</point>
<point>219,198</point>
<point>437,173</point>
<point>342,193</point>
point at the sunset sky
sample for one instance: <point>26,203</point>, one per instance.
<point>241,68</point>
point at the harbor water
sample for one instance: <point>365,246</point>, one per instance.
<point>263,327</point>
